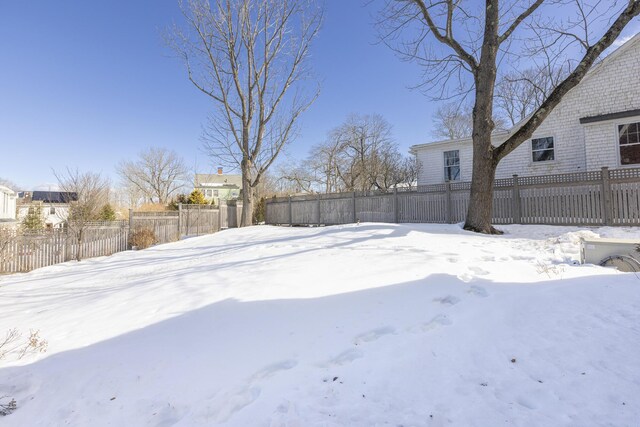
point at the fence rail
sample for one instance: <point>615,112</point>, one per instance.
<point>604,197</point>
<point>22,252</point>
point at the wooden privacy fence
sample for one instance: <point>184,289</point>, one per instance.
<point>604,197</point>
<point>22,252</point>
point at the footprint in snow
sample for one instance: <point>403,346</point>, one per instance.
<point>285,415</point>
<point>273,369</point>
<point>230,403</point>
<point>478,291</point>
<point>344,358</point>
<point>447,300</point>
<point>526,403</point>
<point>373,335</point>
<point>436,322</point>
<point>227,404</point>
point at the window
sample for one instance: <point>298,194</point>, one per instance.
<point>52,210</point>
<point>542,149</point>
<point>215,193</point>
<point>452,165</point>
<point>207,193</point>
<point>629,138</point>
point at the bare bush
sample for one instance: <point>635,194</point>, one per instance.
<point>13,345</point>
<point>8,236</point>
<point>86,193</point>
<point>8,407</point>
<point>142,238</point>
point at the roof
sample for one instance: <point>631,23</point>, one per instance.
<point>53,196</point>
<point>497,134</point>
<point>506,133</point>
<point>6,190</point>
<point>215,180</point>
<point>610,116</point>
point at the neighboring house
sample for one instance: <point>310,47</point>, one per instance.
<point>7,204</point>
<point>219,186</point>
<point>54,206</point>
<point>596,124</point>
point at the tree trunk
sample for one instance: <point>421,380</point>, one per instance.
<point>247,207</point>
<point>247,194</point>
<point>480,210</point>
<point>79,251</point>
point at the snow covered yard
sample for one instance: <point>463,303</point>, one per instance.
<point>356,325</point>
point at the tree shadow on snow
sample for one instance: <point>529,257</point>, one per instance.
<point>208,365</point>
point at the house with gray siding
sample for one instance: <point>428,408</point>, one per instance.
<point>596,124</point>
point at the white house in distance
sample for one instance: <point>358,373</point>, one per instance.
<point>596,124</point>
<point>7,204</point>
<point>217,187</point>
<point>53,206</point>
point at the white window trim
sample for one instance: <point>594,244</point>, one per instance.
<point>543,162</point>
<point>444,166</point>
<point>616,125</point>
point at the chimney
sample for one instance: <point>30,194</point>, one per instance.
<point>219,171</point>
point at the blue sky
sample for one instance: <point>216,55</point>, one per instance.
<point>88,83</point>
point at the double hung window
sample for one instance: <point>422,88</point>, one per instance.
<point>629,141</point>
<point>542,149</point>
<point>452,165</point>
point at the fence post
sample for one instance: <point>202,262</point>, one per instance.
<point>607,211</point>
<point>447,200</point>
<point>355,216</point>
<point>395,205</point>
<point>68,246</point>
<point>219,217</point>
<point>290,213</point>
<point>179,220</point>
<point>198,223</point>
<point>318,209</point>
<point>516,202</point>
<point>130,226</point>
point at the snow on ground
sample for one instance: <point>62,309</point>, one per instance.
<point>355,325</point>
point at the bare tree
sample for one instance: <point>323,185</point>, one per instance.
<point>298,178</point>
<point>358,155</point>
<point>455,121</point>
<point>8,183</point>
<point>249,57</point>
<point>86,194</point>
<point>464,47</point>
<point>409,170</point>
<point>158,174</point>
<point>366,146</point>
<point>520,93</point>
<point>452,121</point>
